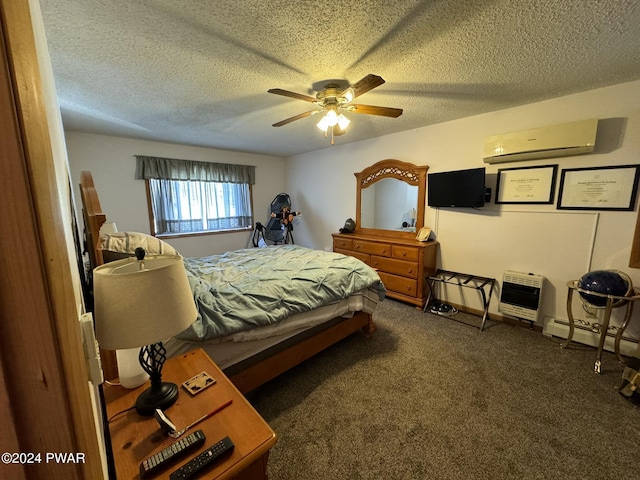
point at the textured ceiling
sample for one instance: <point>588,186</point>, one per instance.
<point>197,72</point>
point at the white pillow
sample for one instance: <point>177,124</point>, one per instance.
<point>125,244</point>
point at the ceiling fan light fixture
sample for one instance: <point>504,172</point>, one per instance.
<point>332,99</point>
<point>343,122</point>
<point>331,117</point>
<point>348,95</point>
<point>322,124</point>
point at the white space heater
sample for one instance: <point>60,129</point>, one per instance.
<point>520,295</point>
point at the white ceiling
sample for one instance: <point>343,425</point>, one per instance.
<point>197,72</point>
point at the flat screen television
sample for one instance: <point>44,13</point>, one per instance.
<point>459,188</point>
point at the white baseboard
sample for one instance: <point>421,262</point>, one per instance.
<point>583,334</point>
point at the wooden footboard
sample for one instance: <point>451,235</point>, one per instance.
<point>254,376</point>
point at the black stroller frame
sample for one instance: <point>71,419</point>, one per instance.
<point>279,227</point>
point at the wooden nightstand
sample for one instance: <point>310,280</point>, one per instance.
<point>135,438</point>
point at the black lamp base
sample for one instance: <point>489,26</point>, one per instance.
<point>161,396</point>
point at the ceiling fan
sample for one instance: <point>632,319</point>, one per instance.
<point>333,100</point>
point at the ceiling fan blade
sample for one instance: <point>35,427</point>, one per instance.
<point>373,110</point>
<point>365,84</point>
<point>287,93</point>
<point>293,119</point>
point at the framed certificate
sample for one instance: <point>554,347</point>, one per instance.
<point>599,188</point>
<point>526,185</point>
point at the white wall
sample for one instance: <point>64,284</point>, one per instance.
<point>123,199</point>
<point>558,244</point>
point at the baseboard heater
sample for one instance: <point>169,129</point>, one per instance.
<point>584,334</point>
<point>521,294</point>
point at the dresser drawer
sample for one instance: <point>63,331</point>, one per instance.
<point>374,248</point>
<point>403,285</point>
<point>343,244</point>
<point>398,267</point>
<point>363,257</point>
<point>405,253</point>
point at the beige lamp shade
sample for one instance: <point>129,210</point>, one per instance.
<point>140,303</point>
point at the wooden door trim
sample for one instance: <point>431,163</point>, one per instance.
<point>47,381</point>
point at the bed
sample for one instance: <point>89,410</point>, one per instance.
<point>252,329</point>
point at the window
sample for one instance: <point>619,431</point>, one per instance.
<point>196,197</point>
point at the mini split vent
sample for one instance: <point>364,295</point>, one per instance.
<point>574,138</point>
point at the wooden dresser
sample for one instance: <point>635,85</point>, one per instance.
<point>401,263</point>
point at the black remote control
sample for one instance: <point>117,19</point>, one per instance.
<point>203,460</point>
<point>172,453</point>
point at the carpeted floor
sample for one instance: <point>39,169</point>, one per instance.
<point>431,398</point>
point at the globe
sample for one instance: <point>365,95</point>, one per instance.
<point>607,282</point>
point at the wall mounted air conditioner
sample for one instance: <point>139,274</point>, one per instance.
<point>573,138</point>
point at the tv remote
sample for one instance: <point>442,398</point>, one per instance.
<point>203,460</point>
<point>172,453</point>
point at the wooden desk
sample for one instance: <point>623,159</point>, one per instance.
<point>135,437</point>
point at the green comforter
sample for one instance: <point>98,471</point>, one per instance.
<point>249,288</point>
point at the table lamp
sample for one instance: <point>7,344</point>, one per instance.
<point>139,302</point>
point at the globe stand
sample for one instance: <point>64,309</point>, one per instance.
<point>609,303</point>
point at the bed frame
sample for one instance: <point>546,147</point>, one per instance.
<point>253,372</point>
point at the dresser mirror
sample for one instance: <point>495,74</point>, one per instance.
<point>391,199</point>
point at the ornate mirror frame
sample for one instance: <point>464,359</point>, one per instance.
<point>403,171</point>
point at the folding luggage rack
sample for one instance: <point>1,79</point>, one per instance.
<point>462,280</point>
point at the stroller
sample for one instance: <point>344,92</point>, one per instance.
<point>280,225</point>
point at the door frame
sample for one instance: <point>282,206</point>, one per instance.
<point>45,394</point>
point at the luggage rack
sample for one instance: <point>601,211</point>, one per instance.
<point>463,280</point>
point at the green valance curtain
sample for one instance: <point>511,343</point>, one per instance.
<point>175,169</point>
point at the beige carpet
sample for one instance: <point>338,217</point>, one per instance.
<point>431,398</point>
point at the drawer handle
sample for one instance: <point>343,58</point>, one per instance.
<point>357,247</point>
<point>404,254</point>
